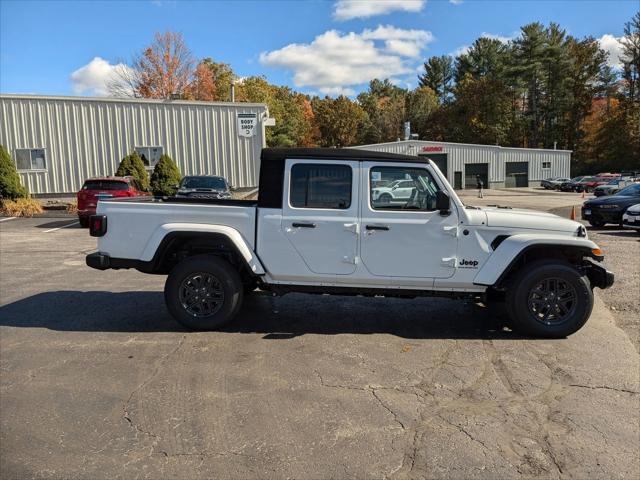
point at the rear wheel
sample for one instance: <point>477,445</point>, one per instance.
<point>596,223</point>
<point>203,292</point>
<point>549,299</point>
<point>84,222</point>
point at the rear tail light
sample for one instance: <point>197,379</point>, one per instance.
<point>97,225</point>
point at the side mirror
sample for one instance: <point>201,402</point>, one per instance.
<point>443,202</point>
<point>176,186</point>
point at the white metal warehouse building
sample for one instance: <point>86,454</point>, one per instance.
<point>58,142</point>
<point>497,166</point>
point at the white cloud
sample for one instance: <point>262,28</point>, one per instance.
<point>613,47</point>
<point>94,78</point>
<point>348,9</point>
<point>455,2</point>
<point>334,62</point>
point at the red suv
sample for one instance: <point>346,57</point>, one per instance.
<point>104,187</point>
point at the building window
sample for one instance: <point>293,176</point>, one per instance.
<point>402,188</point>
<point>30,159</point>
<point>321,186</point>
<point>546,164</point>
<point>149,155</point>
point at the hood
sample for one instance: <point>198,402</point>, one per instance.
<point>528,219</point>
<point>613,200</point>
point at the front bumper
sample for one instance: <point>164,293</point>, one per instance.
<point>602,215</point>
<point>598,276</point>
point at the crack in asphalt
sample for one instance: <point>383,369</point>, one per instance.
<point>603,387</point>
<point>159,364</point>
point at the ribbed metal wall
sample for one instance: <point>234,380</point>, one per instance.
<point>459,154</point>
<point>87,137</point>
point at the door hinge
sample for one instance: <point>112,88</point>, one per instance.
<point>449,262</point>
<point>453,231</point>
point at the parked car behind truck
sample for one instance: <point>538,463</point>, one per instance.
<point>316,228</point>
<point>101,188</point>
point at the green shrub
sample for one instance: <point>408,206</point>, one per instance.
<point>133,165</point>
<point>10,185</point>
<point>165,175</point>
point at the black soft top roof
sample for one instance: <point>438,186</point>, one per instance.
<point>273,160</point>
<point>280,154</point>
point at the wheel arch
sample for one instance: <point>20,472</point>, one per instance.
<point>518,250</point>
<point>174,242</point>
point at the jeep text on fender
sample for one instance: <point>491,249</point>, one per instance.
<point>353,222</point>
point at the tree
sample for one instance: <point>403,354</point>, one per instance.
<point>384,104</point>
<point>631,58</point>
<point>438,76</point>
<point>163,69</point>
<point>486,57</point>
<point>10,185</point>
<point>421,104</point>
<point>202,87</point>
<point>133,165</point>
<point>340,121</point>
<point>165,175</point>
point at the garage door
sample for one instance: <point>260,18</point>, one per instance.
<point>516,174</point>
<point>471,170</point>
<point>440,159</point>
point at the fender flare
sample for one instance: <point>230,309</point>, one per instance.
<point>244,248</point>
<point>512,248</point>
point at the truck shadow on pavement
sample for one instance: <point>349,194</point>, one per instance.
<point>276,318</point>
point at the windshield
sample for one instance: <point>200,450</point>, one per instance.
<point>576,179</point>
<point>631,190</point>
<point>214,183</point>
<point>105,185</point>
<point>588,179</point>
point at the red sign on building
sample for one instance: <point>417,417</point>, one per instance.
<point>431,149</point>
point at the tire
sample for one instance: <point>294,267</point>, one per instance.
<point>530,305</point>
<point>203,275</point>
<point>385,198</point>
<point>596,223</point>
<point>84,222</point>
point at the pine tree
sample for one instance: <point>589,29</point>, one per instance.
<point>133,165</point>
<point>165,175</point>
<point>438,76</point>
<point>10,185</point>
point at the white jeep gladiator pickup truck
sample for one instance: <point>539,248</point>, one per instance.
<point>317,228</point>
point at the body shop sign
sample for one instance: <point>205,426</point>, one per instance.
<point>247,123</point>
<point>431,149</point>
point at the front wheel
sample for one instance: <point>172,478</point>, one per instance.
<point>549,299</point>
<point>203,292</point>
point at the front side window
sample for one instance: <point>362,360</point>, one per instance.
<point>320,186</point>
<point>30,159</point>
<point>402,188</point>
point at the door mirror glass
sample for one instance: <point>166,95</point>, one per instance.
<point>443,202</point>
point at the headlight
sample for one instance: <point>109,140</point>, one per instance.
<point>610,206</point>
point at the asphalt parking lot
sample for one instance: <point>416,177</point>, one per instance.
<point>97,381</point>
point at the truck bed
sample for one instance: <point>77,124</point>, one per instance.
<point>136,225</point>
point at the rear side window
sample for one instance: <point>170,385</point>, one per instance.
<point>320,186</point>
<point>105,185</point>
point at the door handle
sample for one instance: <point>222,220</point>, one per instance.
<point>377,227</point>
<point>303,225</point>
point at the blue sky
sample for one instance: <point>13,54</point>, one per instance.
<point>325,47</point>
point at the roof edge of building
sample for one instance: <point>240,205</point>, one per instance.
<point>434,142</point>
<point>75,98</point>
